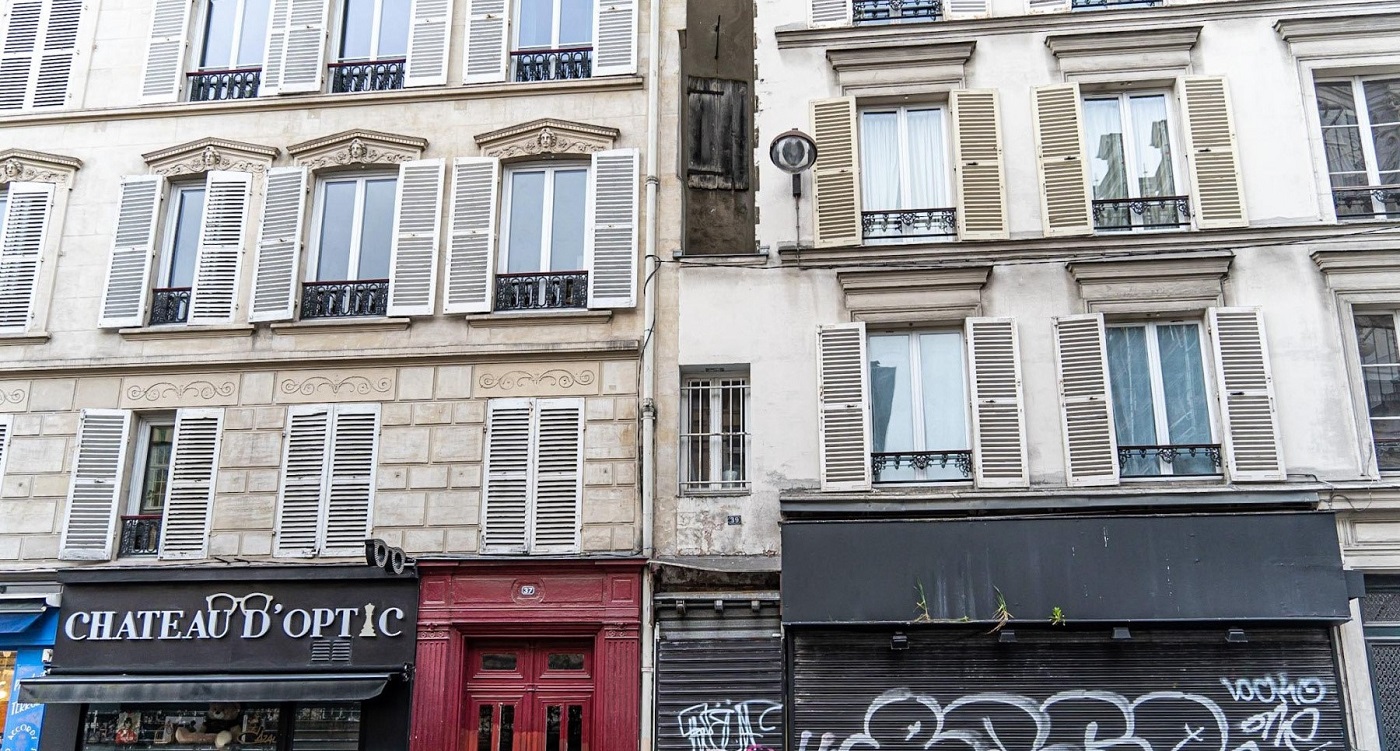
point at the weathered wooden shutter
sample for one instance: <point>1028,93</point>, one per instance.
<point>610,243</point>
<point>428,35</point>
<point>164,75</point>
<point>350,489</point>
<point>221,233</point>
<point>270,84</point>
<point>615,38</point>
<point>1212,154</point>
<point>472,235</point>
<point>557,478</point>
<point>305,467</point>
<point>37,52</point>
<point>506,490</point>
<point>836,175</point>
<point>194,464</point>
<point>1252,447</point>
<point>133,247</point>
<point>413,252</point>
<point>978,166</point>
<point>956,10</point>
<point>1086,409</point>
<point>279,245</point>
<point>843,396</point>
<point>1059,145</point>
<point>6,428</point>
<point>829,12</point>
<point>23,234</point>
<point>718,154</point>
<point>91,518</point>
<point>304,52</point>
<point>998,417</point>
<point>484,57</point>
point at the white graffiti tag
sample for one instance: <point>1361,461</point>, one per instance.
<point>730,725</point>
<point>1292,722</point>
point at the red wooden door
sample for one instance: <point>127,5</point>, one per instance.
<point>529,696</point>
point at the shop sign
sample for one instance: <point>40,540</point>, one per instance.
<point>22,721</point>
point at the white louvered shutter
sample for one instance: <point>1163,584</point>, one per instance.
<point>275,51</point>
<point>843,396</point>
<point>955,10</point>
<point>133,248</point>
<point>610,241</point>
<point>998,414</point>
<point>1059,146</point>
<point>56,54</point>
<point>194,463</point>
<point>350,490</point>
<point>304,479</point>
<point>163,77</point>
<point>1086,409</point>
<point>1252,448</point>
<point>484,58</point>
<point>829,12</point>
<point>23,233</point>
<point>37,51</point>
<point>20,43</point>
<point>430,22</point>
<point>279,245</point>
<point>615,38</point>
<point>509,437</point>
<point>221,239</point>
<point>6,428</point>
<point>1217,188</point>
<point>304,51</point>
<point>472,235</point>
<point>417,226</point>
<point>1047,6</point>
<point>836,175</point>
<point>557,477</point>
<point>90,521</point>
<point>978,166</point>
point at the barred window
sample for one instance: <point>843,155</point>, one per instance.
<point>715,437</point>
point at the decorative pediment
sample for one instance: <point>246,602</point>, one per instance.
<point>357,147</point>
<point>208,154</point>
<point>546,138</point>
<point>899,69</point>
<point>22,165</point>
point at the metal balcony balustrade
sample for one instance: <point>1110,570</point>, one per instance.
<point>350,299</point>
<point>140,535</point>
<point>961,460</point>
<point>542,291</point>
<point>895,11</point>
<point>170,305</point>
<point>1155,212</point>
<point>1367,202</point>
<point>551,65</point>
<point>220,85</point>
<point>1102,4</point>
<point>908,224</point>
<point>1168,454</point>
<point>367,75</point>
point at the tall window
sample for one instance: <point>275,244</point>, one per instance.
<point>543,264</point>
<point>553,40</point>
<point>1361,135</point>
<point>373,45</point>
<point>715,441</point>
<point>1131,163</point>
<point>150,485</point>
<point>1161,408</point>
<point>230,58</point>
<point>919,407</point>
<point>904,174</point>
<point>170,301</point>
<point>1380,370</point>
<point>352,236</point>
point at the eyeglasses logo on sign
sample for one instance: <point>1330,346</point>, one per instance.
<point>251,616</point>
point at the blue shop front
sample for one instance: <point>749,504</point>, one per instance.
<point>28,625</point>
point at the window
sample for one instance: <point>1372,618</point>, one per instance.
<point>534,470</point>
<point>327,493</point>
<point>904,174</point>
<point>348,273</point>
<point>715,439</point>
<point>553,40</point>
<point>543,240</point>
<point>1131,167</point>
<point>230,59</point>
<point>1380,371</point>
<point>170,298</point>
<point>717,117</point>
<point>1161,409</point>
<point>373,46</point>
<point>1380,618</point>
<point>919,407</point>
<point>1361,136</point>
<point>149,486</point>
<point>256,727</point>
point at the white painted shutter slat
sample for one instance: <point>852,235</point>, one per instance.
<point>956,10</point>
<point>472,235</point>
<point>276,50</point>
<point>484,56</point>
<point>91,517</point>
<point>6,428</point>
<point>133,247</point>
<point>304,53</point>
<point>1086,410</point>
<point>1047,6</point>
<point>163,77</point>
<point>998,412</point>
<point>413,254</point>
<point>1252,445</point>
<point>221,239</point>
<point>194,462</point>
<point>56,54</point>
<point>350,489</point>
<point>17,53</point>
<point>615,38</point>
<point>304,478</point>
<point>23,234</point>
<point>610,237</point>
<point>1217,184</point>
<point>979,169</point>
<point>279,245</point>
<point>836,175</point>
<point>427,43</point>
<point>509,436</point>
<point>558,476</point>
<point>829,12</point>
<point>1059,145</point>
<point>843,395</point>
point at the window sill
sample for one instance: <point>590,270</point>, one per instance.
<point>157,333</point>
<point>729,493</point>
<point>24,337</point>
<point>759,258</point>
<point>534,317</point>
<point>340,325</point>
<point>1206,480</point>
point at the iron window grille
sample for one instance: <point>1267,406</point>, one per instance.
<point>140,535</point>
<point>895,11</point>
<point>367,75</point>
<point>220,85</point>
<point>551,65</point>
<point>715,439</point>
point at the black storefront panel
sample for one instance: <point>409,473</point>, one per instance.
<point>1064,689</point>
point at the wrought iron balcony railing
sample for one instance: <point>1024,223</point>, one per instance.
<point>568,289</point>
<point>1185,459</point>
<point>895,11</point>
<point>367,75</point>
<point>1101,4</point>
<point>960,460</point>
<point>908,224</point>
<point>170,305</point>
<point>367,297</point>
<point>551,65</point>
<point>1157,212</point>
<point>218,85</point>
<point>140,535</point>
<point>1370,202</point>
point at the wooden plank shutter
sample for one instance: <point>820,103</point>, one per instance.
<point>978,167</point>
<point>956,10</point>
<point>279,245</point>
<point>90,521</point>
<point>557,478</point>
<point>1086,410</point>
<point>610,241</point>
<point>998,414</point>
<point>417,226</point>
<point>194,463</point>
<point>23,234</point>
<point>304,55</point>
<point>1212,153</point>
<point>21,42</point>
<point>1059,146</point>
<point>428,35</point>
<point>843,395</point>
<point>276,50</point>
<point>350,490</point>
<point>6,428</point>
<point>305,467</point>
<point>133,248</point>
<point>1252,447</point>
<point>472,235</point>
<point>484,57</point>
<point>56,54</point>
<point>829,12</point>
<point>164,74</point>
<point>509,436</point>
<point>221,238</point>
<point>615,38</point>
<point>836,175</point>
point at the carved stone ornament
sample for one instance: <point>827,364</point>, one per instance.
<point>22,165</point>
<point>209,154</point>
<point>357,147</point>
<point>546,138</point>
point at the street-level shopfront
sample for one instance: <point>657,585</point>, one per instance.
<point>284,658</point>
<point>28,621</point>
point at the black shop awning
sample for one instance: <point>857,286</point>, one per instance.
<point>197,689</point>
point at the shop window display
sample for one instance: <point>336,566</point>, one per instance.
<point>250,727</point>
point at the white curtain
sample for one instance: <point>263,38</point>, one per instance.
<point>1104,129</point>
<point>1130,382</point>
<point>926,160</point>
<point>1153,146</point>
<point>879,160</point>
<point>1184,394</point>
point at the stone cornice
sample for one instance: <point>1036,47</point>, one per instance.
<point>1315,28</point>
<point>356,147</point>
<point>23,165</point>
<point>1153,284</point>
<point>1113,53</point>
<point>208,154</point>
<point>1203,265</point>
<point>546,137</point>
<point>914,296</point>
<point>897,68</point>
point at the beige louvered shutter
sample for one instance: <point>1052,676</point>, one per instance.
<point>275,52</point>
<point>221,239</point>
<point>305,466</point>
<point>6,428</point>
<point>509,437</point>
<point>164,75</point>
<point>1217,188</point>
<point>955,10</point>
<point>610,242</point>
<point>484,58</point>
<point>1242,372</point>
<point>978,167</point>
<point>89,524</point>
<point>836,175</point>
<point>998,414</point>
<point>829,12</point>
<point>23,234</point>
<point>350,490</point>
<point>1059,147</point>
<point>194,463</point>
<point>279,245</point>
<point>1086,409</point>
<point>615,38</point>
<point>427,43</point>
<point>304,51</point>
<point>133,248</point>
<point>472,235</point>
<point>17,52</point>
<point>557,478</point>
<point>843,396</point>
<point>413,253</point>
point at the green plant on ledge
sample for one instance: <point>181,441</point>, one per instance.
<point>1057,616</point>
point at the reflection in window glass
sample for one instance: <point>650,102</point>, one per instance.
<point>1157,382</point>
<point>566,234</point>
<point>553,716</point>
<point>535,24</point>
<point>183,245</point>
<point>157,470</point>
<point>505,661</point>
<point>189,726</point>
<point>393,30</point>
<point>483,727</point>
<point>252,34</point>
<point>235,34</point>
<point>356,229</point>
<point>1128,145</point>
<point>337,231</point>
<point>1380,372</point>
<point>1360,120</point>
<point>220,18</point>
<point>546,219</point>
<point>357,30</point>
<point>927,370</point>
<point>565,661</point>
<point>376,238</point>
<point>327,727</point>
<point>575,731</point>
<point>7,659</point>
<point>575,23</point>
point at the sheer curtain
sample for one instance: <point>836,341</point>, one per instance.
<point>1153,146</point>
<point>891,401</point>
<point>1103,126</point>
<point>925,160</point>
<point>1184,394</point>
<point>945,404</point>
<point>879,160</point>
<point>1130,383</point>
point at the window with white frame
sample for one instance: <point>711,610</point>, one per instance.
<point>1161,406</point>
<point>233,41</point>
<point>919,422</point>
<point>715,432</point>
<point>1360,119</point>
<point>149,485</point>
<point>553,40</point>
<point>373,45</point>
<point>351,243</point>
<point>1131,157</point>
<point>905,177</point>
<point>542,240</point>
<point>1380,372</point>
<point>533,476</point>
<point>184,211</point>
